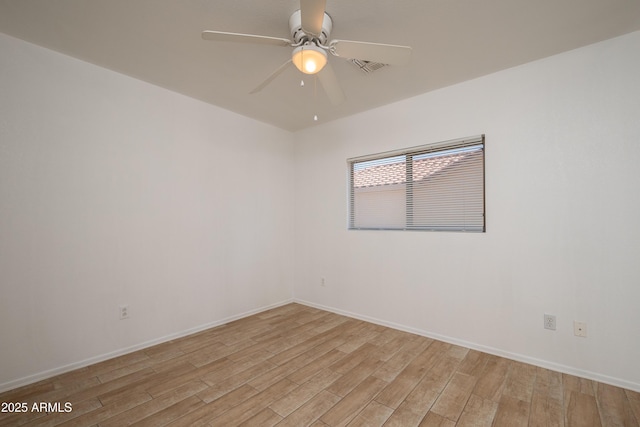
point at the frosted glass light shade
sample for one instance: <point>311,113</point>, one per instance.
<point>309,59</point>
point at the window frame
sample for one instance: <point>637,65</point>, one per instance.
<point>410,154</point>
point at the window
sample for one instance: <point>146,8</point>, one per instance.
<point>432,187</point>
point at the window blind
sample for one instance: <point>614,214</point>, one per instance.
<point>436,187</point>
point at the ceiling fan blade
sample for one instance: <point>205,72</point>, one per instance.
<point>269,79</point>
<point>312,15</point>
<point>330,84</point>
<point>374,52</point>
<point>221,36</point>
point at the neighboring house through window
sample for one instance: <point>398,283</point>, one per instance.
<point>436,187</point>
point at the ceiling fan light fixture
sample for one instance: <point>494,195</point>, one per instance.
<point>309,58</point>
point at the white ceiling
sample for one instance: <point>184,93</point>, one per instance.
<point>453,40</point>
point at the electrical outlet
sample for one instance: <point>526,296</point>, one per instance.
<point>550,322</point>
<point>322,282</point>
<point>124,312</point>
<point>580,329</point>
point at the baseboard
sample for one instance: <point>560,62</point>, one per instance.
<point>485,349</point>
<point>10,385</point>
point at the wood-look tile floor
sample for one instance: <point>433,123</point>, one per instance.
<point>299,366</point>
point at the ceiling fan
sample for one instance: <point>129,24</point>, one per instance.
<point>310,30</point>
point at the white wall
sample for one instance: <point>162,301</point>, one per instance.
<point>563,216</point>
<point>114,191</point>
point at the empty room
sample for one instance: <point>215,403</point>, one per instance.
<point>327,213</point>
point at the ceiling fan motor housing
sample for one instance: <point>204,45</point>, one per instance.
<point>299,36</point>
